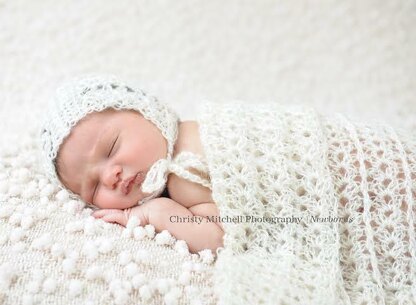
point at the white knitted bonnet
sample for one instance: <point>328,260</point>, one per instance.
<point>94,93</point>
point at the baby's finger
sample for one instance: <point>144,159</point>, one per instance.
<point>100,213</point>
<point>119,218</point>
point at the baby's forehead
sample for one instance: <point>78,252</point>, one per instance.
<point>109,113</point>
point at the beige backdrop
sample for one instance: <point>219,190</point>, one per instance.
<point>356,57</point>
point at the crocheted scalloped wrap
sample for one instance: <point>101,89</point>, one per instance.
<point>320,208</point>
<point>94,93</point>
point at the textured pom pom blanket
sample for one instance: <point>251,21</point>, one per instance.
<point>316,209</point>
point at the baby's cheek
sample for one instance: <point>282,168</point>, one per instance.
<point>109,199</point>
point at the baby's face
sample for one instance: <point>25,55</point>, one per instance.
<point>103,151</point>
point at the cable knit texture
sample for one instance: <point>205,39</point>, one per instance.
<point>351,184</point>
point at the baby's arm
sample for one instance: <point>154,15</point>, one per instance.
<point>163,213</point>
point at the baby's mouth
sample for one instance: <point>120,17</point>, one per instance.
<point>139,179</point>
<point>135,180</point>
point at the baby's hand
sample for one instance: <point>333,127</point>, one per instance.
<point>122,216</point>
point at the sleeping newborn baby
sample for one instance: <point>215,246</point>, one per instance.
<point>127,154</point>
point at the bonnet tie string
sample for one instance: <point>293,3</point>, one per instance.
<point>156,178</point>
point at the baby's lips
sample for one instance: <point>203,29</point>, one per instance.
<point>139,179</point>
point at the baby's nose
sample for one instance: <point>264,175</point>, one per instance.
<point>111,180</point>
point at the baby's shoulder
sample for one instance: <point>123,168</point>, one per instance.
<point>181,190</point>
<point>188,139</point>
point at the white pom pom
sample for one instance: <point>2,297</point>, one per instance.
<point>150,230</point>
<point>69,265</point>
<point>33,184</point>
<point>164,238</point>
<point>75,288</point>
<point>90,250</point>
<point>22,175</point>
<point>42,214</point>
<point>124,258</point>
<point>44,200</point>
<point>49,286</point>
<point>30,192</point>
<point>121,297</point>
<point>15,190</point>
<point>62,196</point>
<point>171,298</point>
<point>115,285</point>
<point>52,208</point>
<point>27,222</point>
<point>42,243</point>
<point>90,228</point>
<point>139,233</point>
<point>127,233</point>
<point>127,286</point>
<point>185,278</point>
<point>17,234</point>
<point>73,254</point>
<point>131,270</point>
<point>142,257</point>
<point>163,285</point>
<point>145,292</point>
<point>109,275</point>
<point>8,274</point>
<point>94,272</point>
<point>3,238</point>
<point>133,222</point>
<point>74,226</point>
<point>6,211</point>
<point>19,247</point>
<point>73,207</point>
<point>42,183</point>
<point>138,280</point>
<point>47,190</point>
<point>105,246</point>
<point>15,218</point>
<point>57,250</point>
<point>181,247</point>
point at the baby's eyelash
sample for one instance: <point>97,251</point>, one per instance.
<point>96,185</point>
<point>112,147</point>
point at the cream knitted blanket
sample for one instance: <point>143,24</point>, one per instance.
<point>53,252</point>
<point>316,210</point>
